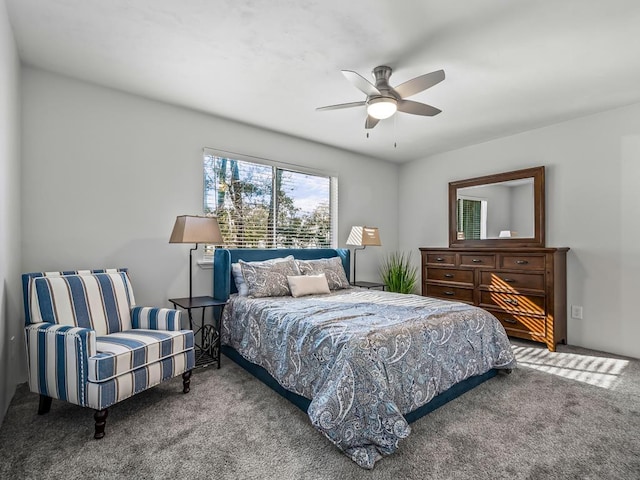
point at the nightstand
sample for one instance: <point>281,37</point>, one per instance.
<point>370,285</point>
<point>208,349</point>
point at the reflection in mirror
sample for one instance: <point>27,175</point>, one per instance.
<point>497,210</point>
<point>500,210</point>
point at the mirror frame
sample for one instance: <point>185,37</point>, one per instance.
<point>537,173</point>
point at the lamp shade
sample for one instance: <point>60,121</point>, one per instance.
<point>364,236</point>
<point>195,229</point>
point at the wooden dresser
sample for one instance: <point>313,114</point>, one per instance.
<point>525,288</point>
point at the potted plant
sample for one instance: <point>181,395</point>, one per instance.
<point>398,274</point>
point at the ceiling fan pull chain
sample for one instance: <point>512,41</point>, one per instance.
<point>395,131</point>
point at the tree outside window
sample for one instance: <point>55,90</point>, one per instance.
<point>265,206</point>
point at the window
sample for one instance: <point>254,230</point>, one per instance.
<point>472,218</point>
<point>266,206</point>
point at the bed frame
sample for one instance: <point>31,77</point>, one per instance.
<point>224,285</point>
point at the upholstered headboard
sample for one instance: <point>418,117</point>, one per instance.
<point>223,284</point>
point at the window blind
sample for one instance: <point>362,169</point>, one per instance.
<point>469,218</point>
<point>267,206</point>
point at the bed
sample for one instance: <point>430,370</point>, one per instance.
<point>363,364</point>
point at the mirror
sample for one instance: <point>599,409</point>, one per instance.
<point>506,209</point>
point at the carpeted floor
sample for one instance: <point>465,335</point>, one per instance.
<point>574,414</point>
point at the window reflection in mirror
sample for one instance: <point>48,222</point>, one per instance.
<point>497,210</point>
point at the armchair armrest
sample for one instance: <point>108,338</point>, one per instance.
<point>58,360</point>
<point>156,318</point>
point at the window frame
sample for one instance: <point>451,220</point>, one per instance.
<point>287,167</point>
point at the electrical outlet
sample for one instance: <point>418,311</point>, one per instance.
<point>576,311</point>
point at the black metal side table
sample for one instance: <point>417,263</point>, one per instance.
<point>370,285</point>
<point>208,350</point>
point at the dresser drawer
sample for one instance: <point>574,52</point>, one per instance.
<point>530,304</point>
<point>478,260</point>
<point>512,282</point>
<point>514,323</point>
<point>450,293</point>
<point>450,275</point>
<point>441,258</point>
<point>522,262</point>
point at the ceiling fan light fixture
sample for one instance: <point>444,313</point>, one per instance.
<point>382,107</point>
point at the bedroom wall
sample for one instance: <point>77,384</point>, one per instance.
<point>105,174</point>
<point>593,207</point>
<point>11,343</point>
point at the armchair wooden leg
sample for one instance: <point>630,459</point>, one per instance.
<point>45,404</point>
<point>186,381</point>
<point>101,420</point>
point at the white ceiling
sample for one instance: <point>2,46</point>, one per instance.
<point>511,65</point>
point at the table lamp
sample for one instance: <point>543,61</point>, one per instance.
<point>363,237</point>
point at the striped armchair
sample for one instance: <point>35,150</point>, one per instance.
<point>88,344</point>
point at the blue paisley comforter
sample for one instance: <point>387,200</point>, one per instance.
<point>365,357</point>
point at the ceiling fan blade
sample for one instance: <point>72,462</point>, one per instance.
<point>418,84</point>
<point>361,83</point>
<point>417,108</point>
<point>370,122</point>
<point>342,105</point>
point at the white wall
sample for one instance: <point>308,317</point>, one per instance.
<point>593,207</point>
<point>105,174</point>
<point>11,343</point>
<point>522,210</point>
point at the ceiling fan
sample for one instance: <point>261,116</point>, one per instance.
<point>383,100</point>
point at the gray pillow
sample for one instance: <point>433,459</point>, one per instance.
<point>238,278</point>
<point>268,280</point>
<point>331,267</point>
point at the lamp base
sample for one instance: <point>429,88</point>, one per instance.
<point>191,250</point>
<point>355,250</point>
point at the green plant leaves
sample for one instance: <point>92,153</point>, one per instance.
<point>398,273</point>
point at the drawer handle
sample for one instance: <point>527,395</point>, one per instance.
<point>521,262</point>
<point>439,259</point>
<point>509,320</point>
<point>448,275</point>
<point>476,260</point>
<point>449,292</point>
<point>511,301</point>
<point>509,280</point>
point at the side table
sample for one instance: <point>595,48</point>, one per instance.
<point>208,349</point>
<point>369,285</point>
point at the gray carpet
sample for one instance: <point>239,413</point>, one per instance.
<point>573,414</point>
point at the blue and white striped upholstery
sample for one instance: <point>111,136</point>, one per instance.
<point>122,352</point>
<point>155,318</point>
<point>58,360</point>
<point>104,394</point>
<point>101,302</point>
<point>89,344</point>
<point>28,278</point>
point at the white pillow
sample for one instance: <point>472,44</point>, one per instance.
<point>301,285</point>
<point>236,270</point>
<point>238,277</point>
